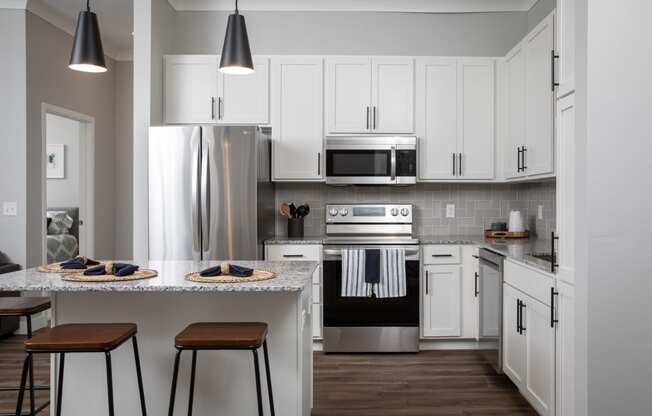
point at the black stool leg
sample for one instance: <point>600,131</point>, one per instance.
<point>109,382</point>
<point>175,373</point>
<point>62,361</point>
<point>28,318</point>
<point>257,369</point>
<point>141,390</point>
<point>269,379</point>
<point>23,381</point>
<point>192,381</point>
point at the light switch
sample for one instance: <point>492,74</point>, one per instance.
<point>450,210</point>
<point>10,209</point>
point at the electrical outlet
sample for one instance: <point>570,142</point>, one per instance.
<point>540,212</point>
<point>450,210</point>
<point>10,209</point>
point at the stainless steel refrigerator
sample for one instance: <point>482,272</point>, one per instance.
<point>210,192</point>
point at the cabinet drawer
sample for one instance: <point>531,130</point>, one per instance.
<point>442,254</point>
<point>529,280</point>
<point>293,252</point>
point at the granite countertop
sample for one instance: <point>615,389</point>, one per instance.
<point>291,277</point>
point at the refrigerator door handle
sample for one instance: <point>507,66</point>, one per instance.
<point>205,197</point>
<point>196,164</point>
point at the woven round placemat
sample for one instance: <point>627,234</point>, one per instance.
<point>56,268</point>
<point>138,275</point>
<point>226,278</point>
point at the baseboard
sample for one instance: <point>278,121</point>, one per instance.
<point>455,344</point>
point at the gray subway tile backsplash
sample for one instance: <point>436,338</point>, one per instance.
<point>476,205</point>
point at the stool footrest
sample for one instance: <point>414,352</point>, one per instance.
<point>36,387</point>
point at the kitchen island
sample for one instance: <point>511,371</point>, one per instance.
<point>161,307</point>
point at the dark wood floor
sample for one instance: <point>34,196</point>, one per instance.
<point>429,383</point>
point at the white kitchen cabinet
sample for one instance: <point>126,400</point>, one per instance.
<point>470,300</point>
<point>190,93</point>
<point>297,118</point>
<point>514,344</point>
<point>566,154</point>
<point>565,41</point>
<point>245,98</point>
<point>455,118</point>
<point>514,108</point>
<point>442,307</point>
<point>539,103</point>
<point>565,350</point>
<point>369,94</point>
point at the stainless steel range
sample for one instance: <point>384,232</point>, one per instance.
<point>370,324</point>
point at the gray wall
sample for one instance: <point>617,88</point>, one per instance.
<point>124,112</point>
<point>50,81</point>
<point>64,192</point>
<point>356,33</point>
<point>476,205</point>
<point>539,11</point>
<point>12,139</point>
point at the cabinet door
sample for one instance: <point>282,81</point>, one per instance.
<point>514,96</point>
<point>539,386</point>
<point>348,94</point>
<point>539,99</point>
<point>566,188</point>
<point>565,37</point>
<point>245,98</point>
<point>565,351</point>
<point>470,312</point>
<point>392,95</point>
<point>297,118</point>
<point>190,89</point>
<point>513,343</point>
<point>442,301</point>
<point>476,124</point>
<point>436,117</point>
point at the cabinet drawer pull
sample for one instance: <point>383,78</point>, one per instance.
<point>427,284</point>
<point>518,316</point>
<point>367,117</point>
<point>212,108</point>
<point>454,165</point>
<point>553,320</point>
<point>476,285</point>
<point>554,83</point>
<point>292,256</point>
<point>442,255</point>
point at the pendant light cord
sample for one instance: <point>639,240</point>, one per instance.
<point>88,5</point>
<point>236,6</point>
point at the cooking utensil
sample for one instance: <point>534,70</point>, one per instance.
<point>285,210</point>
<point>302,211</point>
<point>293,210</point>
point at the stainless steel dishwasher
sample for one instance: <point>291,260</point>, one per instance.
<point>490,295</point>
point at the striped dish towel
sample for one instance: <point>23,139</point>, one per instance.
<point>392,283</point>
<point>353,274</point>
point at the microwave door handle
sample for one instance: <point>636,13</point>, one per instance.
<point>393,166</point>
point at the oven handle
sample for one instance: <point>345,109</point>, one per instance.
<point>336,252</point>
<point>393,167</point>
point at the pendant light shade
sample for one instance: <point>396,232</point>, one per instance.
<point>236,54</point>
<point>87,52</point>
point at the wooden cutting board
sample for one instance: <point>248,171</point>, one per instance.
<point>506,234</point>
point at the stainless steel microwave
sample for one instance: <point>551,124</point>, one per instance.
<point>360,160</point>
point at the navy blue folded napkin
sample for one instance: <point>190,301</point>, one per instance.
<point>372,266</point>
<point>95,271</point>
<point>118,269</point>
<point>79,262</point>
<point>234,270</point>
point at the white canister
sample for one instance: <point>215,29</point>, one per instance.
<point>516,222</point>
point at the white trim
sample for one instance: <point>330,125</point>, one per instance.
<point>405,6</point>
<point>60,21</point>
<point>454,344</point>
<point>86,178</point>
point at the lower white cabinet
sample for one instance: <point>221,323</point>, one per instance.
<point>565,350</point>
<point>442,303</point>
<point>470,293</point>
<point>529,348</point>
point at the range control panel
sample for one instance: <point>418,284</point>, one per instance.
<point>369,213</point>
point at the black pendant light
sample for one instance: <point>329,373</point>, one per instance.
<point>236,55</point>
<point>87,53</point>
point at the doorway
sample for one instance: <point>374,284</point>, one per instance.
<point>68,181</point>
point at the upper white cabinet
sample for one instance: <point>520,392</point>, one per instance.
<point>455,118</point>
<point>539,103</point>
<point>565,37</point>
<point>244,98</point>
<point>297,118</point>
<point>528,103</point>
<point>369,95</point>
<point>190,89</point>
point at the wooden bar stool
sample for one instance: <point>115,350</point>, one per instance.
<point>26,307</point>
<point>222,336</point>
<point>82,338</point>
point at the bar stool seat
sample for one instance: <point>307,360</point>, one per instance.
<point>23,306</point>
<point>81,337</point>
<point>222,335</point>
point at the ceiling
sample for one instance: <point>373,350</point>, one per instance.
<point>115,16</point>
<point>413,6</point>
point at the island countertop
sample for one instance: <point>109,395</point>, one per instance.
<point>290,277</point>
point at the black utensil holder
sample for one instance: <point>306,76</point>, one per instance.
<point>295,227</point>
